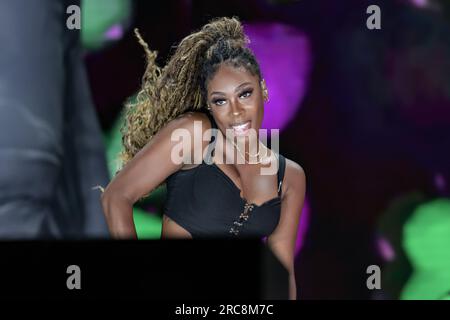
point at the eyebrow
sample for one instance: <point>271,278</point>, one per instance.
<point>237,88</point>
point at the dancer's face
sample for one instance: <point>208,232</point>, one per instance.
<point>236,100</point>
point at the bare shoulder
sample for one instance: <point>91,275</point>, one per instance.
<point>294,177</point>
<point>193,121</point>
<point>188,119</point>
<point>193,126</point>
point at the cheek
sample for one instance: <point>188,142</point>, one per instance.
<point>259,102</point>
<point>259,113</point>
<point>255,101</point>
<point>222,121</point>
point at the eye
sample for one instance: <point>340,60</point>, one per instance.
<point>246,93</point>
<point>219,102</point>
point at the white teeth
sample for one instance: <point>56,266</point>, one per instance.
<point>241,126</point>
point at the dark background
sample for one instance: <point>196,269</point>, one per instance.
<point>373,126</point>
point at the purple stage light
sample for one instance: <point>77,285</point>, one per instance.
<point>385,249</point>
<point>420,3</point>
<point>285,59</point>
<point>115,32</point>
<point>439,182</point>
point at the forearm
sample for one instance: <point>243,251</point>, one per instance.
<point>119,216</point>
<point>286,260</point>
<point>292,287</point>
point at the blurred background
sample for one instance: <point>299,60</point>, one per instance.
<point>366,113</point>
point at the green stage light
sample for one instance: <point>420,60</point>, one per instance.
<point>426,243</point>
<point>103,21</point>
<point>148,225</point>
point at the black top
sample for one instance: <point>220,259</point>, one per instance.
<point>206,202</point>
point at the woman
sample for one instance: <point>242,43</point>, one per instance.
<point>214,80</point>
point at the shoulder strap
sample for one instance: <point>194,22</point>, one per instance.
<point>280,174</point>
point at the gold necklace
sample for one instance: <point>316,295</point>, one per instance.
<point>250,155</point>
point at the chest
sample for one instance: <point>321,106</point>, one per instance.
<point>214,203</point>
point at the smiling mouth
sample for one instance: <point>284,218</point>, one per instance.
<point>241,128</point>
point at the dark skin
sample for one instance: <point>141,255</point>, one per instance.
<point>234,96</point>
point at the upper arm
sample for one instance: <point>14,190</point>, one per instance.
<point>282,240</point>
<point>154,163</point>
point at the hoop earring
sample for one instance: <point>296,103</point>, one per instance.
<point>265,95</point>
<point>265,91</point>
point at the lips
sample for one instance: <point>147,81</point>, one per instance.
<point>241,128</point>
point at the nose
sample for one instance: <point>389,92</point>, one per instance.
<point>236,108</point>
